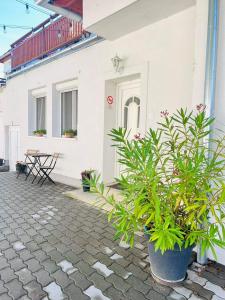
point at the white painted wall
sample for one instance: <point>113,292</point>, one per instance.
<point>114,19</point>
<point>162,54</point>
<point>96,10</point>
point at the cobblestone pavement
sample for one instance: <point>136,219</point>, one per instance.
<point>52,247</point>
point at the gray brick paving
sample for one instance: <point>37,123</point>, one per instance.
<point>76,233</point>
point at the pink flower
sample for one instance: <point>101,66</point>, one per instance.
<point>137,136</point>
<point>164,113</point>
<point>201,107</point>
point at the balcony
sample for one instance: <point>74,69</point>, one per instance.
<point>46,40</point>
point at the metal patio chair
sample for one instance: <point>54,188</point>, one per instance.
<point>28,163</point>
<point>45,171</point>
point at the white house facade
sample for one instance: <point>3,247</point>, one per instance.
<point>162,50</point>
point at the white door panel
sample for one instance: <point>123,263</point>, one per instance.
<point>14,146</point>
<point>128,111</point>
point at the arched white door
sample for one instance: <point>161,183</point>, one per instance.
<point>129,111</point>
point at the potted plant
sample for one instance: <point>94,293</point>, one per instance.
<point>86,177</point>
<point>21,167</point>
<point>173,189</point>
<point>40,132</point>
<point>70,133</point>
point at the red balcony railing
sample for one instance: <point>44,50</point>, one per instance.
<point>63,31</point>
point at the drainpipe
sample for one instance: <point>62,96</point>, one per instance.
<point>210,76</point>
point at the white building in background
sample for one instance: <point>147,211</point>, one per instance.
<point>79,84</point>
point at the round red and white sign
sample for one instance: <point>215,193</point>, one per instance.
<point>110,99</point>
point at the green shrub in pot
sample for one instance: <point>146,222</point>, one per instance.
<point>173,186</point>
<point>70,133</point>
<point>40,132</point>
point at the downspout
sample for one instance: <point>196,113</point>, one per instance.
<point>210,76</point>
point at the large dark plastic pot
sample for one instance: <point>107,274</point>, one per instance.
<point>171,266</point>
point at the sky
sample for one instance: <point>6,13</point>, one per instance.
<point>14,13</point>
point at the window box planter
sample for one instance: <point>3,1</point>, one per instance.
<point>70,133</point>
<point>40,132</point>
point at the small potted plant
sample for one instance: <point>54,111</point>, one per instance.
<point>69,133</point>
<point>40,132</point>
<point>86,177</point>
<point>173,189</point>
<point>21,167</point>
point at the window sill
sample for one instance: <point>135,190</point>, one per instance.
<point>41,137</point>
<point>64,138</point>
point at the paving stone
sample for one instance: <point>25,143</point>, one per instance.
<point>133,294</point>
<point>138,284</point>
<point>75,293</point>
<point>198,290</point>
<point>25,255</point>
<point>27,298</point>
<point>40,255</point>
<point>2,288</point>
<point>213,278</point>
<point>104,259</point>
<point>217,298</point>
<point>220,292</point>
<point>33,265</point>
<point>99,281</point>
<point>175,296</point>
<point>47,247</point>
<point>5,297</point>
<point>43,277</point>
<point>35,291</point>
<point>153,295</point>
<point>15,289</point>
<point>88,258</point>
<point>102,269</point>
<point>62,278</point>
<point>4,245</point>
<point>194,297</point>
<point>76,247</point>
<point>85,268</point>
<point>54,292</point>
<point>16,264</point>
<point>162,289</point>
<point>56,255</point>
<point>137,272</point>
<point>7,275</point>
<point>95,293</point>
<point>32,246</point>
<point>10,253</point>
<point>50,266</point>
<point>25,276</point>
<point>193,276</point>
<point>12,238</point>
<point>114,294</point>
<point>119,270</point>
<point>25,238</point>
<point>3,263</point>
<point>118,283</point>
<point>80,280</point>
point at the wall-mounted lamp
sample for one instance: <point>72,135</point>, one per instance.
<point>117,63</point>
